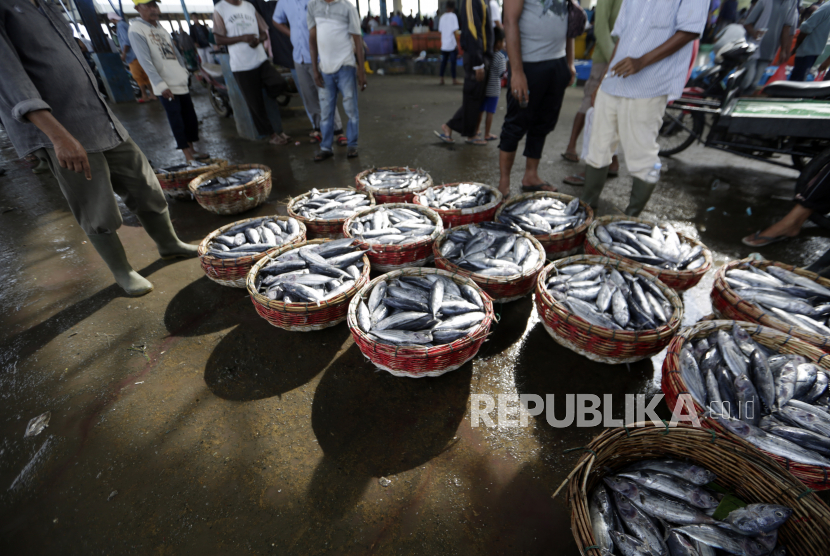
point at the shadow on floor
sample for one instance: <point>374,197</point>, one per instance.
<point>512,324</point>
<point>203,307</point>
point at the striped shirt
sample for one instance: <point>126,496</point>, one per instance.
<point>497,68</point>
<point>642,26</point>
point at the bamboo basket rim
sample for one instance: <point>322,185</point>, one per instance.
<point>480,278</point>
<point>666,330</point>
<point>592,238</point>
<point>310,307</point>
<point>481,330</point>
<point>216,261</point>
<point>732,297</point>
<point>212,164</point>
<point>395,247</point>
<point>499,198</point>
<point>360,177</point>
<point>558,236</point>
<point>227,171</point>
<point>334,221</point>
<point>615,447</point>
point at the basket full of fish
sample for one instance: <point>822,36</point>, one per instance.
<point>648,490</point>
<point>503,262</point>
<point>393,184</point>
<point>418,322</point>
<point>175,179</point>
<point>557,220</point>
<point>228,253</point>
<point>307,286</point>
<point>758,383</point>
<point>232,189</point>
<point>777,295</point>
<point>324,211</point>
<point>396,235</point>
<point>679,261</point>
<point>605,309</point>
<point>461,203</point>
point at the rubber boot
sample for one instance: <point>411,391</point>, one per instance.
<point>110,248</point>
<point>594,182</point>
<point>159,227</point>
<point>640,194</point>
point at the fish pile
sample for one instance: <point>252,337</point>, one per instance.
<point>237,178</point>
<point>650,245</point>
<point>420,311</point>
<point>179,167</point>
<point>311,273</point>
<point>784,295</point>
<point>544,216</point>
<point>610,298</point>
<point>254,237</point>
<point>392,226</point>
<point>455,197</point>
<point>490,249</point>
<point>398,180</point>
<point>661,507</point>
<point>337,204</point>
<point>778,402</point>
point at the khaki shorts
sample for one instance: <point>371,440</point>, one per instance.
<point>138,74</point>
<point>597,72</point>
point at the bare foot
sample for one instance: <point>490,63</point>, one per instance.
<point>277,139</point>
<point>454,82</point>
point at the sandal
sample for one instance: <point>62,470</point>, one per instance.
<point>278,140</point>
<point>316,137</point>
<point>443,137</point>
<point>765,239</point>
<point>342,141</point>
<point>476,141</point>
<point>570,157</point>
<point>322,155</point>
<point>539,187</point>
<point>492,137</point>
<point>352,152</point>
<point>576,180</point>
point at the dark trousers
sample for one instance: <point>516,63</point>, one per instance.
<point>465,120</point>
<point>251,84</point>
<point>816,194</point>
<point>182,118</point>
<point>452,57</point>
<point>801,67</point>
<point>546,84</point>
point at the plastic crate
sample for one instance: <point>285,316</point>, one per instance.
<point>431,42</point>
<point>378,45</point>
<point>583,69</point>
<point>404,43</point>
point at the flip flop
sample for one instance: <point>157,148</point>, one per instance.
<point>315,138</point>
<point>576,180</point>
<point>322,155</point>
<point>476,142</point>
<point>539,187</point>
<point>765,239</point>
<point>443,137</point>
<point>342,141</point>
<point>492,137</point>
<point>570,157</point>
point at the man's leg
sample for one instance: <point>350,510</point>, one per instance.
<point>347,85</point>
<point>454,65</point>
<point>301,88</point>
<point>250,85</point>
<point>802,67</point>
<point>190,119</point>
<point>639,124</point>
<point>548,81</point>
<point>140,78</point>
<point>597,72</point>
<point>328,106</point>
<point>173,108</point>
<point>603,142</point>
<point>274,86</point>
<point>488,123</point>
<point>445,56</point>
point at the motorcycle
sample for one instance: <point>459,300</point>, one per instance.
<point>210,75</point>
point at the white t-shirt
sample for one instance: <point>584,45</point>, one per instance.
<point>448,25</point>
<point>241,20</point>
<point>336,22</point>
<point>495,12</point>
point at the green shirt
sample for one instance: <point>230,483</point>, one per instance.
<point>605,14</point>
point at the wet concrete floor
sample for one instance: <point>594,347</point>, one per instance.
<point>183,423</point>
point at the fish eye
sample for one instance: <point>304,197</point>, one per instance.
<point>779,514</point>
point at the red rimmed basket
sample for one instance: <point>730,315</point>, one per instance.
<point>232,272</point>
<point>459,217</point>
<point>330,229</point>
<point>673,384</point>
<point>302,317</point>
<point>740,468</point>
<point>727,304</point>
<point>562,244</point>
<point>503,289</point>
<point>386,258</point>
<point>235,199</point>
<point>175,183</point>
<point>420,361</point>
<point>603,344</point>
<point>383,196</point>
<point>678,280</point>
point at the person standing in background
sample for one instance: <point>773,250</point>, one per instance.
<point>811,42</point>
<point>291,19</point>
<point>541,67</point>
<point>202,40</point>
<point>495,14</point>
<point>491,101</point>
<point>728,13</point>
<point>164,65</point>
<point>237,24</point>
<point>770,23</point>
<point>129,58</point>
<point>448,27</point>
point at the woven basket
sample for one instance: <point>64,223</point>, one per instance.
<point>331,229</point>
<point>727,304</point>
<point>420,361</point>
<point>386,258</point>
<point>383,196</point>
<point>562,244</point>
<point>236,199</point>
<point>458,217</point>
<point>232,272</point>
<point>175,183</point>
<point>302,317</point>
<point>673,385</point>
<point>740,468</point>
<point>678,280</point>
<point>603,344</point>
<point>503,289</point>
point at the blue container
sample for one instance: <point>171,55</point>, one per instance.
<point>583,69</point>
<point>379,45</point>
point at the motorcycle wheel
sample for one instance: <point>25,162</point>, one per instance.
<point>220,105</point>
<point>674,137</point>
<point>811,169</point>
